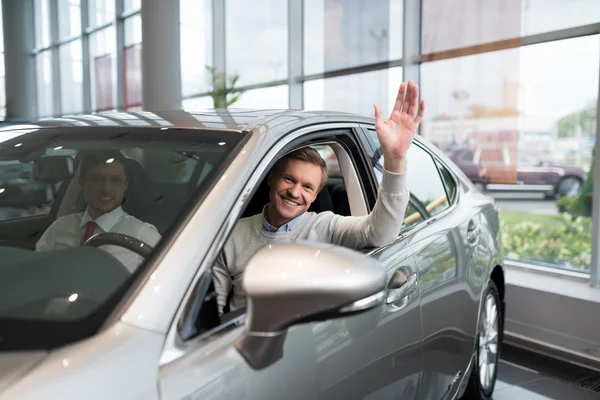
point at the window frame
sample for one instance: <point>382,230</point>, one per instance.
<point>348,136</point>
<point>375,155</point>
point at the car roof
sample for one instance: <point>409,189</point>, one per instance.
<point>264,120</point>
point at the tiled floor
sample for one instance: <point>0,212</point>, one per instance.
<point>520,383</point>
<point>525,375</point>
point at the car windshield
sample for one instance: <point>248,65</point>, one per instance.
<point>68,199</point>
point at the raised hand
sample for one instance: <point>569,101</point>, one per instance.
<point>396,134</point>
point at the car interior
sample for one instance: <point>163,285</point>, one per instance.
<point>156,202</point>
<point>333,197</point>
<point>338,196</point>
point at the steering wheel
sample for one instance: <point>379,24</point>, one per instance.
<point>121,240</point>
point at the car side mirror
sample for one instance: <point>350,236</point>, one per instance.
<point>292,283</point>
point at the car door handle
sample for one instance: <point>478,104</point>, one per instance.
<point>400,286</point>
<point>472,232</point>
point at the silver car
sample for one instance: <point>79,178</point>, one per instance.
<point>421,318</point>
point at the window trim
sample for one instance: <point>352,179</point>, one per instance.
<point>175,347</point>
<point>439,165</point>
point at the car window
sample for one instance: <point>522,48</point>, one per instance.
<point>21,195</point>
<point>424,180</point>
<point>202,310</point>
<point>145,183</point>
<point>167,166</point>
<point>413,216</point>
<point>448,181</point>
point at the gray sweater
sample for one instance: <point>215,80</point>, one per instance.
<point>381,227</point>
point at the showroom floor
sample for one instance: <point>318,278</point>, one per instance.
<point>528,376</point>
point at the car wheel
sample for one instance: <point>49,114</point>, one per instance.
<point>569,186</point>
<point>485,370</point>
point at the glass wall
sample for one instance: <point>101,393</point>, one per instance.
<point>511,85</point>
<point>343,34</point>
<point>257,40</point>
<point>2,71</point>
<point>132,63</point>
<point>520,122</point>
<point>78,56</point>
<point>196,46</point>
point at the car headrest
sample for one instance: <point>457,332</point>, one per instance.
<point>141,193</point>
<point>53,169</point>
<point>323,202</point>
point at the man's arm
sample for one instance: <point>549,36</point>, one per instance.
<point>395,135</point>
<point>47,241</point>
<point>382,225</point>
<point>149,235</point>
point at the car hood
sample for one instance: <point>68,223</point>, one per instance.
<point>14,365</point>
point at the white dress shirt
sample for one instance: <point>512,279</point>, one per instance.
<point>67,231</point>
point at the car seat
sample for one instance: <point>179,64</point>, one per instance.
<point>323,202</point>
<point>141,200</point>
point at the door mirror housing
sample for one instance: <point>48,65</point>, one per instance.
<point>292,283</point>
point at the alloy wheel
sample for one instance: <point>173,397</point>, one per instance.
<point>488,343</point>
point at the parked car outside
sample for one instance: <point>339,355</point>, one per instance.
<point>498,169</point>
<point>420,318</point>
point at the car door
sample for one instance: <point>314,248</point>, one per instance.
<point>448,307</point>
<point>371,355</point>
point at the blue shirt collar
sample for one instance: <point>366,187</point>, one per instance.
<point>284,228</point>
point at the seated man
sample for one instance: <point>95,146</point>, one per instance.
<point>295,181</point>
<point>103,182</point>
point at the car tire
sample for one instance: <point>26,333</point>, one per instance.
<point>568,186</point>
<point>485,369</point>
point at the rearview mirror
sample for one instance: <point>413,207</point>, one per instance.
<point>292,283</point>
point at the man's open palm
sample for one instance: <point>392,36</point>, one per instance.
<point>396,134</point>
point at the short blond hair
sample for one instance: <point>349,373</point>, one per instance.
<point>309,155</point>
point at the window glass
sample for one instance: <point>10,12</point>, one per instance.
<point>510,125</point>
<point>274,97</point>
<point>2,81</point>
<point>42,23</point>
<point>258,52</point>
<point>539,16</point>
<point>132,5</point>
<point>132,63</point>
<point>367,88</point>
<point>413,216</point>
<point>110,182</point>
<point>450,24</point>
<point>44,83</point>
<point>196,46</point>
<point>348,33</point>
<point>169,167</point>
<point>133,30</point>
<point>101,12</point>
<point>71,77</point>
<point>20,195</point>
<point>103,69</point>
<point>197,103</point>
<point>427,190</point>
<point>69,18</point>
<point>448,181</point>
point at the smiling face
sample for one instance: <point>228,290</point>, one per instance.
<point>294,185</point>
<point>103,188</point>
